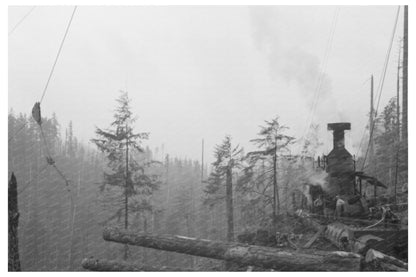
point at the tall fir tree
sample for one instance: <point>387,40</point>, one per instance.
<point>126,175</point>
<point>227,160</point>
<point>271,142</point>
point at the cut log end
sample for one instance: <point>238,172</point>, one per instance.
<point>378,261</point>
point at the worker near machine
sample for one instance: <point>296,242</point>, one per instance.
<point>339,207</point>
<point>390,217</point>
<point>318,204</point>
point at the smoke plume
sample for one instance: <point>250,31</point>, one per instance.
<point>288,61</point>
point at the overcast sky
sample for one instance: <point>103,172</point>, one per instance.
<point>204,72</point>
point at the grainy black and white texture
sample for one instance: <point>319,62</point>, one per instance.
<point>208,138</point>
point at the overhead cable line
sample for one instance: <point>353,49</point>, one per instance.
<point>324,66</point>
<point>381,84</point>
<point>363,134</point>
<point>321,75</point>
<point>37,175</point>
<point>18,131</point>
<point>361,141</point>
<point>57,55</point>
<point>21,20</point>
<point>52,69</point>
<point>36,114</point>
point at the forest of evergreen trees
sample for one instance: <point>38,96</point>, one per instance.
<point>59,227</point>
<point>389,163</point>
<point>49,239</point>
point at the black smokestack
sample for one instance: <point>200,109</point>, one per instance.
<point>340,163</point>
<point>339,128</point>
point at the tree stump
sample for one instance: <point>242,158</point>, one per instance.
<point>13,259</point>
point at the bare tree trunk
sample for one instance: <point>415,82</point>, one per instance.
<point>276,202</point>
<point>266,257</point>
<point>167,260</point>
<point>73,213</point>
<point>14,260</point>
<point>229,204</point>
<point>126,197</point>
<point>230,211</point>
<point>144,251</point>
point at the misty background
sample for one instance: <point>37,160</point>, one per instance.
<point>193,73</point>
<point>201,72</point>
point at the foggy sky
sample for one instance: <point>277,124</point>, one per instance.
<point>203,72</point>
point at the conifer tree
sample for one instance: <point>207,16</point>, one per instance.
<point>227,159</point>
<point>126,175</point>
<point>271,142</point>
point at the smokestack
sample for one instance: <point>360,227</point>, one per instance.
<point>340,163</point>
<point>339,128</point>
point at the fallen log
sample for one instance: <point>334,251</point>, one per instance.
<point>380,261</point>
<point>243,254</point>
<point>110,265</point>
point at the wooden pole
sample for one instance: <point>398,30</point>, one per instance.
<point>405,66</point>
<point>372,127</point>
<point>14,260</point>
<point>202,162</point>
<point>398,95</point>
<point>398,129</point>
<point>244,254</point>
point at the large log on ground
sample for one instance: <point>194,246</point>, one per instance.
<point>380,261</point>
<point>266,257</point>
<point>109,265</point>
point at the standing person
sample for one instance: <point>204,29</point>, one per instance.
<point>339,207</point>
<point>318,204</point>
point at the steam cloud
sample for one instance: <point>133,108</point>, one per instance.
<point>286,58</point>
